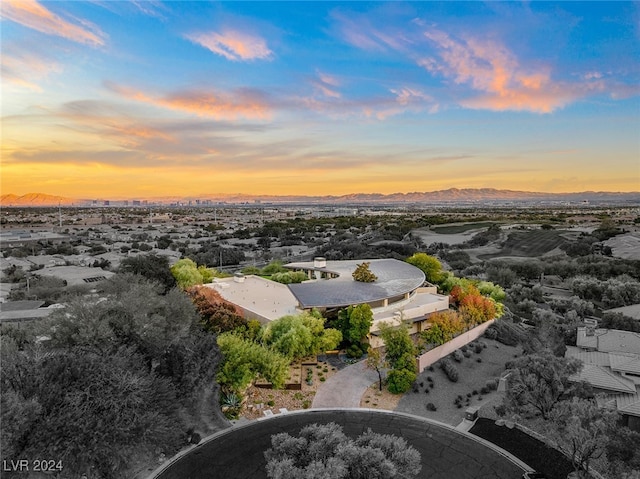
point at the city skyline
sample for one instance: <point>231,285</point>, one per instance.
<point>146,98</point>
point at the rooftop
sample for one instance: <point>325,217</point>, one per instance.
<point>395,278</point>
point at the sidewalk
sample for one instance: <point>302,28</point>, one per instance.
<point>345,388</point>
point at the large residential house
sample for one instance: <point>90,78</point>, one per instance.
<point>611,361</point>
<point>398,294</point>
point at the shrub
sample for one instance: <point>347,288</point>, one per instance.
<point>458,356</point>
<point>354,351</point>
<point>271,403</point>
<point>491,333</point>
<point>479,360</point>
<point>298,396</point>
<point>478,348</point>
<point>306,404</point>
<point>431,407</point>
<point>484,390</point>
<point>323,379</point>
<point>449,369</point>
<point>467,354</point>
<point>399,380</point>
<point>492,384</point>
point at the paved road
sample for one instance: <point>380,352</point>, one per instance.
<point>238,452</point>
<point>345,388</point>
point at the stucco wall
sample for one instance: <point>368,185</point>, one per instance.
<point>430,357</point>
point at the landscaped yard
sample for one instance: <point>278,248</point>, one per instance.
<point>474,372</point>
<point>260,399</point>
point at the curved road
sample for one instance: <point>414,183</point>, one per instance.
<point>238,452</point>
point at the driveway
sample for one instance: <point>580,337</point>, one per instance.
<point>345,388</point>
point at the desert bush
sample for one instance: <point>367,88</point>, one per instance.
<point>450,370</point>
<point>458,356</point>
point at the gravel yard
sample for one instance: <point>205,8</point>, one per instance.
<point>474,372</point>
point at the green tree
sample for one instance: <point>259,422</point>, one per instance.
<point>186,273</point>
<point>325,451</point>
<point>429,265</point>
<point>397,343</point>
<point>377,360</point>
<point>363,274</point>
<point>356,322</point>
<point>400,353</point>
<point>297,336</point>
<point>245,361</point>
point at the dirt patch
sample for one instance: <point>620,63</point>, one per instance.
<point>474,372</point>
<point>373,398</point>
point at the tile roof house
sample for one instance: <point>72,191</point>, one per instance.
<point>611,360</point>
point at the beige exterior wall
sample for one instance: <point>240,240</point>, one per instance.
<point>430,357</point>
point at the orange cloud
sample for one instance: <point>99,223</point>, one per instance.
<point>242,103</point>
<point>491,68</point>
<point>33,15</point>
<point>233,45</point>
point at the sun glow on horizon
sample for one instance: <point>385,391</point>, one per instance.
<point>329,99</point>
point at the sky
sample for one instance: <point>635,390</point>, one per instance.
<point>140,99</point>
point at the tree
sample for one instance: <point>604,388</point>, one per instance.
<point>186,273</point>
<point>323,451</point>
<point>583,428</point>
<point>363,274</point>
<point>150,266</point>
<point>119,379</point>
<point>377,360</point>
<point>245,361</point>
<point>539,381</point>
<point>356,322</point>
<point>400,353</point>
<point>397,343</point>
<point>297,336</point>
<point>429,265</point>
<point>218,315</point>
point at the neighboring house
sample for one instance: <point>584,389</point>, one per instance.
<point>75,275</point>
<point>15,311</point>
<point>399,293</point>
<point>45,260</point>
<point>611,361</point>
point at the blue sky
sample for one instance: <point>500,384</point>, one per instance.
<point>145,98</point>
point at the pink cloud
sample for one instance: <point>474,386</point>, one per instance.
<point>19,68</point>
<point>33,15</point>
<point>489,67</point>
<point>233,45</point>
<point>327,85</point>
<point>242,103</point>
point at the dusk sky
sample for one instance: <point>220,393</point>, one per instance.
<point>115,99</point>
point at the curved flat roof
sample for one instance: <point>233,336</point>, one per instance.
<point>395,278</point>
<point>238,452</point>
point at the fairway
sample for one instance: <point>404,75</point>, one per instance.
<point>460,228</point>
<point>530,243</point>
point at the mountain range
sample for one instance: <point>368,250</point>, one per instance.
<point>451,195</point>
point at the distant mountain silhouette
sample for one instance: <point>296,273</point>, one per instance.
<point>451,195</point>
<point>37,199</point>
